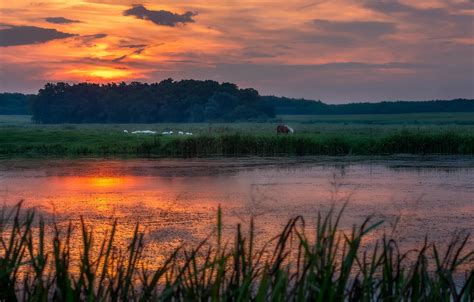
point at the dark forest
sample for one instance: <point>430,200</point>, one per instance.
<point>187,101</point>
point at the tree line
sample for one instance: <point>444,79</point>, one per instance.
<point>167,101</point>
<point>187,101</point>
<point>14,103</point>
<point>283,105</point>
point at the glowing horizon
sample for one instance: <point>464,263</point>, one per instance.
<point>335,51</point>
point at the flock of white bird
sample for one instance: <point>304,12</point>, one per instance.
<point>154,132</point>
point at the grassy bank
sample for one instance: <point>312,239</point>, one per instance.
<point>28,142</point>
<point>434,133</point>
<point>321,265</point>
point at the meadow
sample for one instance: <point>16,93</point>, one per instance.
<point>324,264</point>
<point>433,133</point>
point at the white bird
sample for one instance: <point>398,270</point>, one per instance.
<point>189,133</point>
<point>171,132</point>
<point>165,133</point>
<point>125,131</point>
<point>180,132</point>
<point>144,132</point>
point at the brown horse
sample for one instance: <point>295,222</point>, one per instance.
<point>284,129</point>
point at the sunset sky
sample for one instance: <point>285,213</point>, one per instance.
<point>337,51</point>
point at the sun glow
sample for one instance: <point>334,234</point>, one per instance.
<point>104,73</point>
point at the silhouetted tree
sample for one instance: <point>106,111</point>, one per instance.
<point>167,101</point>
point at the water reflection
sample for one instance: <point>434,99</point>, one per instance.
<point>95,183</point>
<point>176,201</point>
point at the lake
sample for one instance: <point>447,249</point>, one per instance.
<point>176,201</point>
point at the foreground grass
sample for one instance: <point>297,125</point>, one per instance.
<point>24,142</point>
<point>327,265</point>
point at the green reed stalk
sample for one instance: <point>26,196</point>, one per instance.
<point>329,265</point>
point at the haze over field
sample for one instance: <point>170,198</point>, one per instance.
<point>336,51</point>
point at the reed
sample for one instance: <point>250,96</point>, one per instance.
<point>297,265</point>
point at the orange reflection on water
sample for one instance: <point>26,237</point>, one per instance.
<point>96,182</point>
<point>106,182</point>
<point>176,202</point>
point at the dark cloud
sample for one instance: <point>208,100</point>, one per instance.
<point>134,45</point>
<point>23,35</point>
<point>441,18</point>
<point>160,17</point>
<point>60,20</point>
<point>360,28</point>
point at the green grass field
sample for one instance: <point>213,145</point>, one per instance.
<point>434,133</point>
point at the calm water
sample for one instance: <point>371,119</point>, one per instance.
<point>176,201</point>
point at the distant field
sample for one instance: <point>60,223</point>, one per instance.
<point>456,118</point>
<point>445,133</point>
<point>302,122</point>
<point>446,118</point>
<point>15,119</point>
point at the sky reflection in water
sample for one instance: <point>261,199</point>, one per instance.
<point>176,202</point>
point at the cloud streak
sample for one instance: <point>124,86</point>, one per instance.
<point>60,20</point>
<point>371,29</point>
<point>24,35</point>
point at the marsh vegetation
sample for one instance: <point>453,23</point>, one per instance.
<point>450,133</point>
<point>297,265</point>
